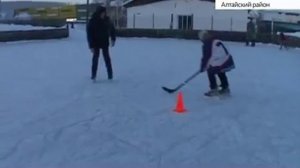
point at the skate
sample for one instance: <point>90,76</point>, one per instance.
<point>110,77</point>
<point>211,93</point>
<point>224,92</point>
<point>93,79</point>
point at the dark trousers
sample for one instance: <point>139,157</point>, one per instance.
<point>105,52</point>
<point>283,44</point>
<point>213,81</point>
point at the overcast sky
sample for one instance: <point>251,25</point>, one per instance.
<point>68,1</point>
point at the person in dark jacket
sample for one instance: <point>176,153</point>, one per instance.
<point>282,41</point>
<point>100,31</point>
<point>251,33</point>
<point>216,60</point>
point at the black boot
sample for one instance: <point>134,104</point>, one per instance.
<point>224,91</point>
<point>110,77</point>
<point>212,92</point>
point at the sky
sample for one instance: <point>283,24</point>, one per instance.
<point>68,1</point>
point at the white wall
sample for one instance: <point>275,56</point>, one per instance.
<point>202,12</point>
<point>275,16</point>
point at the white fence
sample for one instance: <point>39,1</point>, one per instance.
<point>154,21</point>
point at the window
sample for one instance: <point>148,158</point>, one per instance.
<point>185,22</point>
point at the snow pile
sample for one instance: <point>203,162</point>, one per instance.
<point>52,115</point>
<point>23,16</point>
<point>296,34</point>
<point>13,27</point>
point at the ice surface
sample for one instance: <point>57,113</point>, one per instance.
<point>52,115</point>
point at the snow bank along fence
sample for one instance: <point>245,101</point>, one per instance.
<point>45,34</point>
<point>37,22</point>
<point>235,36</point>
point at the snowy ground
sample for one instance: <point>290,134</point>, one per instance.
<point>12,27</point>
<point>52,115</point>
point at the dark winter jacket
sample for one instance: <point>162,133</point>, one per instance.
<point>282,37</point>
<point>99,31</point>
<point>216,58</point>
<point>251,32</point>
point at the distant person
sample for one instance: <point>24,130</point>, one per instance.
<point>251,33</point>
<point>282,41</point>
<point>99,32</point>
<point>216,60</point>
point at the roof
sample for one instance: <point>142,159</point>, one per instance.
<point>131,3</point>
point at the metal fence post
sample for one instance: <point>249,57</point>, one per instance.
<point>231,24</point>
<point>87,11</point>
<point>134,21</point>
<point>153,21</point>
<point>172,19</point>
<point>0,9</point>
<point>212,22</point>
<point>272,27</point>
<point>192,22</point>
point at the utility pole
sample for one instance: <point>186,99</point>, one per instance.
<point>0,10</point>
<point>87,11</point>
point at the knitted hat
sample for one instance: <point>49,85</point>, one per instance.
<point>100,9</point>
<point>202,34</point>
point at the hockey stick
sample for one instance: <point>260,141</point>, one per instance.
<point>182,84</point>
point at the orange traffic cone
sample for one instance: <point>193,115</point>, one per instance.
<point>180,104</point>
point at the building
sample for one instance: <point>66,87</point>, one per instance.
<point>183,14</point>
<point>284,20</point>
<point>281,16</point>
<point>115,11</point>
